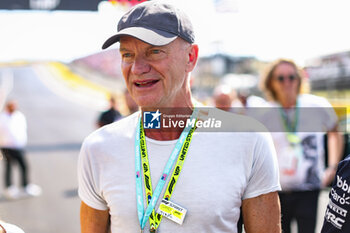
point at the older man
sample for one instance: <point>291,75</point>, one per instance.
<point>220,172</point>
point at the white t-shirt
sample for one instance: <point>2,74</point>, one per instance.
<point>13,130</point>
<point>221,169</point>
<point>10,228</point>
<point>301,167</point>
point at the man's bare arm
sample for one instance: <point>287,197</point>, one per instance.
<point>93,220</point>
<point>262,214</point>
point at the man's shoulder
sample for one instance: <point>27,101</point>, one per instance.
<point>124,126</point>
<point>343,167</point>
<point>121,129</point>
<point>346,160</point>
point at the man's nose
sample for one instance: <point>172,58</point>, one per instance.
<point>140,66</point>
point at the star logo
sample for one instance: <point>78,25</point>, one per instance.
<point>151,120</point>
<point>156,115</point>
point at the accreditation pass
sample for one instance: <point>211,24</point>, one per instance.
<point>172,211</point>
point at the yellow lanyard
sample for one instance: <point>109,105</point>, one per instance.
<point>156,219</point>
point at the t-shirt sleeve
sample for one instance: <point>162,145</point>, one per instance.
<point>330,118</point>
<point>264,174</point>
<point>337,218</point>
<point>88,179</point>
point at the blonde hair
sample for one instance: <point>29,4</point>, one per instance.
<point>266,80</point>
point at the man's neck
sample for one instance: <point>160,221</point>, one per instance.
<point>163,136</point>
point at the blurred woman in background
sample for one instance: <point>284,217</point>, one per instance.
<point>300,151</point>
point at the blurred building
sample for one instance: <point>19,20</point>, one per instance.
<point>330,72</point>
<point>329,76</point>
<point>223,69</point>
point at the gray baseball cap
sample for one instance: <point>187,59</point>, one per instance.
<point>154,22</point>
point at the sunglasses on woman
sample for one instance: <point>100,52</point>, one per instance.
<point>282,78</point>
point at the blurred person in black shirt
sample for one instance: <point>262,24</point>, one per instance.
<point>109,116</point>
<point>336,218</point>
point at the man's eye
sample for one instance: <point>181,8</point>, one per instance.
<point>155,51</point>
<point>126,55</point>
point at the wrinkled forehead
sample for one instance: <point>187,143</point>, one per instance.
<point>129,43</point>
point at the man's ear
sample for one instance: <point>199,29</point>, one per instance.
<point>192,57</point>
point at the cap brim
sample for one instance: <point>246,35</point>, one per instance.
<point>153,37</point>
